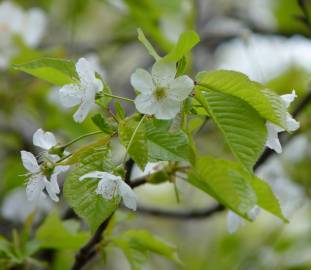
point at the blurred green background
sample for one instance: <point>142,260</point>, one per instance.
<point>262,38</point>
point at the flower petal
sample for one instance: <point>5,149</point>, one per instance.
<point>30,162</point>
<point>98,174</point>
<point>34,188</point>
<point>82,112</point>
<point>141,81</point>
<point>234,221</point>
<point>272,138</point>
<point>289,98</point>
<point>108,188</point>
<point>70,95</point>
<point>128,196</point>
<point>291,123</point>
<point>50,188</point>
<point>45,140</point>
<point>54,182</point>
<point>180,88</point>
<point>85,71</point>
<point>163,73</point>
<point>167,109</point>
<point>145,104</point>
<point>254,212</point>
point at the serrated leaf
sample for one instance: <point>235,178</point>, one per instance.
<point>226,182</point>
<point>101,123</point>
<point>267,103</point>
<point>136,244</point>
<point>165,145</point>
<point>53,70</point>
<point>81,195</point>
<point>243,128</point>
<point>185,43</point>
<point>147,44</point>
<point>53,233</point>
<point>266,198</point>
<point>138,149</point>
<point>120,112</point>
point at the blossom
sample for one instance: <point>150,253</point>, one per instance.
<point>29,25</point>
<point>234,221</point>
<point>273,130</point>
<point>83,93</point>
<point>37,179</point>
<point>160,93</point>
<point>111,186</point>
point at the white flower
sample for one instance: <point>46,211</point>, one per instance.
<point>273,130</point>
<point>28,25</point>
<point>234,221</point>
<point>45,140</point>
<point>83,93</point>
<point>111,186</point>
<point>160,93</point>
<point>37,180</point>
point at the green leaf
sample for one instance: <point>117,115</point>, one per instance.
<point>53,70</point>
<point>243,128</point>
<point>136,245</point>
<point>267,103</point>
<point>181,66</point>
<point>53,233</point>
<point>226,181</point>
<point>81,195</point>
<point>266,198</point>
<point>147,44</point>
<point>165,145</point>
<point>104,100</point>
<point>138,149</point>
<point>185,43</point>
<point>120,112</point>
<point>101,123</point>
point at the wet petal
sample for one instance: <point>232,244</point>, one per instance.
<point>70,95</point>
<point>180,88</point>
<point>141,81</point>
<point>128,196</point>
<point>45,140</point>
<point>273,141</point>
<point>108,188</point>
<point>163,73</point>
<point>30,162</point>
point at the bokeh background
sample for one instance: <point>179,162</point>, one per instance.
<point>265,39</point>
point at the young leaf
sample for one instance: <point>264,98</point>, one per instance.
<point>226,182</point>
<point>243,128</point>
<point>138,149</point>
<point>53,70</point>
<point>101,123</point>
<point>147,44</point>
<point>53,233</point>
<point>185,43</point>
<point>136,245</point>
<point>165,145</point>
<point>266,198</point>
<point>81,195</point>
<point>120,112</point>
<point>268,104</point>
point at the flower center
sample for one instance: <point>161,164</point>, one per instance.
<point>160,93</point>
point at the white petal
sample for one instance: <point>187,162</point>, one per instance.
<point>234,221</point>
<point>291,123</point>
<point>30,162</point>
<point>141,81</point>
<point>273,141</point>
<point>82,112</point>
<point>52,189</point>
<point>254,212</point>
<point>85,71</point>
<point>70,95</point>
<point>60,169</point>
<point>108,188</point>
<point>163,73</point>
<point>34,187</point>
<point>45,140</point>
<point>98,174</point>
<point>180,88</point>
<point>128,195</point>
<point>145,104</point>
<point>167,109</point>
<point>289,98</point>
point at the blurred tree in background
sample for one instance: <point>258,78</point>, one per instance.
<point>268,40</point>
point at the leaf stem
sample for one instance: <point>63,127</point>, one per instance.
<point>118,97</point>
<point>81,137</point>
